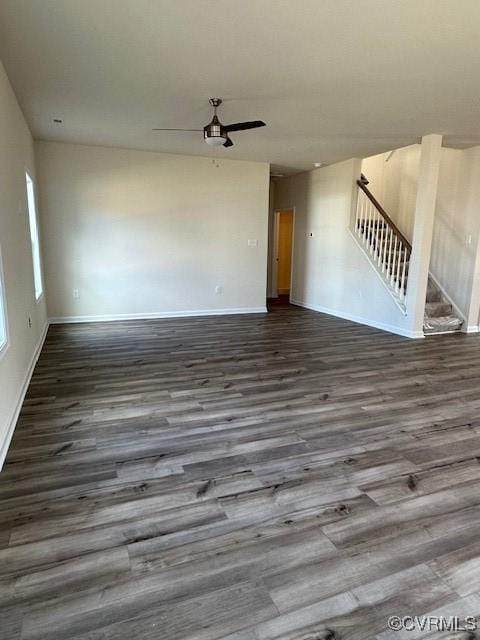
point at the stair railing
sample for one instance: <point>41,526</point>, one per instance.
<point>382,241</point>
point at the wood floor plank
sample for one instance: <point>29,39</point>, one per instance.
<point>281,476</point>
<point>205,617</point>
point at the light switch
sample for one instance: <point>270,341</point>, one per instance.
<point>253,243</point>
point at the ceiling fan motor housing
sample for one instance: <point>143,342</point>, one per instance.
<point>214,134</point>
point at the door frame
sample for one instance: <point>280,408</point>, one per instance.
<point>276,225</point>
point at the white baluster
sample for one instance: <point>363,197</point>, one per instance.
<point>364,219</point>
<point>402,279</point>
<point>357,211</point>
<point>380,241</point>
<point>370,219</point>
<point>399,264</point>
<point>389,257</point>
<point>372,229</point>
<point>367,223</point>
<point>377,236</point>
<point>364,212</point>
<point>359,215</point>
<point>392,274</point>
<point>361,230</point>
<point>384,248</point>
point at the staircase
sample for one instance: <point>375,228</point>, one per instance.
<point>439,316</point>
<point>389,252</point>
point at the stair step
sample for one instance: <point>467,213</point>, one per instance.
<point>438,309</point>
<point>433,293</point>
<point>442,324</point>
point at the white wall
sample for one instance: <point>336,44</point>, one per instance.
<point>16,155</point>
<point>457,224</point>
<point>141,233</point>
<point>330,272</point>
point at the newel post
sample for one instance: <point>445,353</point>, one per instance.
<point>423,231</point>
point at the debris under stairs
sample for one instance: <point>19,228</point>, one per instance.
<point>389,252</point>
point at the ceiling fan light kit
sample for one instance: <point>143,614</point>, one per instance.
<point>212,133</point>
<point>215,133</point>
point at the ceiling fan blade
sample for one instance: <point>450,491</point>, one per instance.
<point>228,143</point>
<point>177,129</point>
<point>243,126</point>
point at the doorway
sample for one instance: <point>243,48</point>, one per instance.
<point>283,250</point>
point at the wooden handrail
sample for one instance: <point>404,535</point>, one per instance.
<point>383,213</point>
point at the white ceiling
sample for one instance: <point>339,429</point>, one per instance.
<point>331,78</point>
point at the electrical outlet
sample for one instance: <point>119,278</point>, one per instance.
<point>218,289</point>
<point>76,293</point>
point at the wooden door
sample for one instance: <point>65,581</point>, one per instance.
<point>284,251</point>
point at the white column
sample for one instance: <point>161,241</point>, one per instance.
<point>467,206</point>
<point>423,231</point>
<point>473,312</point>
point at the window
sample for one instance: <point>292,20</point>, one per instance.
<point>32,217</point>
<point>3,311</point>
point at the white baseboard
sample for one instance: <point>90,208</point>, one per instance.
<point>360,320</point>
<point>156,315</point>
<point>21,397</point>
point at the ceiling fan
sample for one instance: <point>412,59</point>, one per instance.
<point>215,133</point>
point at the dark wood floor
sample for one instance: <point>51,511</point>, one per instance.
<point>286,476</point>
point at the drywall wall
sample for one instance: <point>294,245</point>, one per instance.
<point>18,359</point>
<point>393,180</point>
<point>457,224</point>
<point>330,272</point>
<point>139,234</point>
